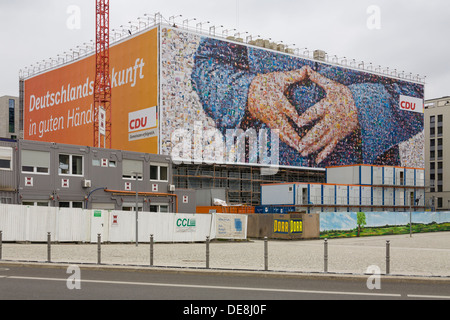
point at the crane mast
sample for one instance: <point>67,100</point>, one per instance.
<point>102,85</point>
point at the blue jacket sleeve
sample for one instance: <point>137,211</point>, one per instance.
<point>221,78</point>
<point>383,124</point>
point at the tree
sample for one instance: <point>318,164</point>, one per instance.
<point>360,221</point>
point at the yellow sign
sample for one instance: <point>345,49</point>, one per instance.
<point>296,226</point>
<point>288,226</point>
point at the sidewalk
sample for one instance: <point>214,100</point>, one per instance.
<point>422,255</point>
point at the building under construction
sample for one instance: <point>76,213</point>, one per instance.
<point>224,107</point>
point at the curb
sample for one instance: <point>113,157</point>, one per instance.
<point>230,272</point>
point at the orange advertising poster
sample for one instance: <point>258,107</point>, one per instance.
<point>58,104</point>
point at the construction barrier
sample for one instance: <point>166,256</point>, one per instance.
<point>226,209</point>
<point>32,224</point>
<point>284,226</point>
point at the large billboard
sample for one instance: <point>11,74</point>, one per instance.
<point>296,111</point>
<point>59,103</point>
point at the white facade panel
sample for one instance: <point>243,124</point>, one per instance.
<point>341,195</point>
<point>277,194</point>
<point>365,175</point>
<point>420,194</point>
<point>354,195</point>
<point>410,177</point>
<point>420,178</point>
<point>366,196</point>
<point>399,197</point>
<point>329,194</point>
<point>302,194</point>
<point>343,175</point>
<point>388,196</point>
<point>377,176</point>
<point>315,194</point>
<point>388,176</point>
<point>378,196</point>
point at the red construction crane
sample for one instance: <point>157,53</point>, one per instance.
<point>102,86</point>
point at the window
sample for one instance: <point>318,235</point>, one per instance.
<point>6,200</point>
<point>12,107</point>
<point>132,167</point>
<point>5,158</point>
<point>432,143</point>
<point>439,202</point>
<point>154,173</point>
<point>159,208</point>
<point>432,120</point>
<point>36,203</point>
<point>71,204</point>
<point>432,131</point>
<point>70,165</point>
<point>159,172</point>
<point>35,162</point>
<point>131,207</point>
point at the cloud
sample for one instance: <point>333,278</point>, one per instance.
<point>411,38</point>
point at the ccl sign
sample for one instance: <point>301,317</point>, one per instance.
<point>411,104</point>
<point>186,225</point>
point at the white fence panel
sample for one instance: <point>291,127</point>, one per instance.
<point>72,225</point>
<point>229,226</point>
<point>40,221</point>
<point>13,221</point>
<point>21,223</point>
<point>191,227</point>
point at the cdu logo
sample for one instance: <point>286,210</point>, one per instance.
<point>411,104</point>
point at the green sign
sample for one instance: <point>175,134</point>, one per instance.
<point>97,213</point>
<point>186,225</point>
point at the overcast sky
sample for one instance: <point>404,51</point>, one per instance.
<point>406,35</point>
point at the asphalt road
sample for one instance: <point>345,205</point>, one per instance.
<point>57,282</point>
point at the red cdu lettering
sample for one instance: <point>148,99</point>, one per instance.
<point>408,105</point>
<point>138,123</point>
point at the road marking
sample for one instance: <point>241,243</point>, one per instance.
<point>215,287</point>
<point>427,296</point>
<point>236,288</point>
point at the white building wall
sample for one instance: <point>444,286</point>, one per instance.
<point>280,194</point>
<point>365,175</point>
<point>366,196</point>
<point>329,195</point>
<point>341,195</point>
<point>343,175</point>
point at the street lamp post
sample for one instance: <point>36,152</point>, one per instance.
<point>137,207</point>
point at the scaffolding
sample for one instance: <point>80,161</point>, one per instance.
<point>242,183</point>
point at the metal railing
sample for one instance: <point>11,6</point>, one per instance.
<point>265,255</point>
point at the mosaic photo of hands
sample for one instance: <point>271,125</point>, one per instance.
<point>326,115</point>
